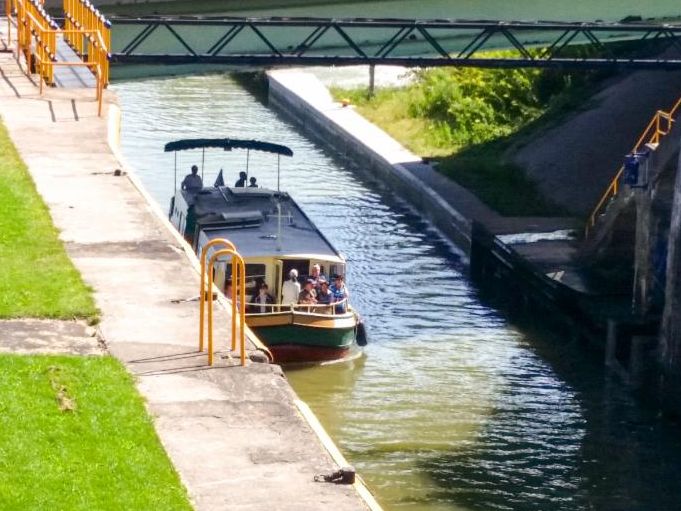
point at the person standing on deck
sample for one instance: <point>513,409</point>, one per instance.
<point>340,294</point>
<point>291,288</point>
<point>316,276</point>
<point>192,182</point>
<point>241,183</point>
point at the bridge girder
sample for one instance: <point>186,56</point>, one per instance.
<point>413,43</point>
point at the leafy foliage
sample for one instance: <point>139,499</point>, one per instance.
<point>470,116</point>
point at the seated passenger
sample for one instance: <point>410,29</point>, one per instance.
<point>262,301</point>
<point>241,182</point>
<point>192,182</point>
<point>340,294</point>
<point>253,182</point>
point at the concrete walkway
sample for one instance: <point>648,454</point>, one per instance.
<point>236,435</point>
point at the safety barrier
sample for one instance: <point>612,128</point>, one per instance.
<point>92,33</point>
<point>238,297</point>
<point>659,126</point>
<point>37,36</point>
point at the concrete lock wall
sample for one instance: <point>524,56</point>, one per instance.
<point>653,204</point>
<point>670,335</point>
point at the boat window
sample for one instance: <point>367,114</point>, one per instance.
<point>254,273</point>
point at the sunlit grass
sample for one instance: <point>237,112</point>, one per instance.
<point>74,435</point>
<point>37,279</point>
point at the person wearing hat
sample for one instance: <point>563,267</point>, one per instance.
<point>308,295</point>
<point>339,294</point>
<point>192,182</point>
<point>291,288</point>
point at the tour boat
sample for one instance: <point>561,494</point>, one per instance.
<point>274,236</point>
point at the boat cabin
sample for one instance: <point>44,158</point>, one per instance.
<point>270,231</point>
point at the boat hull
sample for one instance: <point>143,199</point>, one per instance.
<point>301,337</point>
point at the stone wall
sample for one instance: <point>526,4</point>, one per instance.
<point>670,336</point>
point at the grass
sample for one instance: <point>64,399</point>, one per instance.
<point>75,435</point>
<point>468,119</point>
<point>37,279</point>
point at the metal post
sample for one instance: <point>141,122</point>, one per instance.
<point>203,161</point>
<point>278,169</point>
<point>372,79</point>
<point>248,157</point>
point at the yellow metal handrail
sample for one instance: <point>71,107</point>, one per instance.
<point>653,133</point>
<point>202,295</point>
<point>37,40</point>
<point>95,39</point>
<point>237,301</point>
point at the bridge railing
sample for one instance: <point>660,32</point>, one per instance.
<point>659,126</point>
<point>89,34</point>
<point>37,36</point>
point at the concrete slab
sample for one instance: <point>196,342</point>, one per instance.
<point>49,337</point>
<point>235,434</point>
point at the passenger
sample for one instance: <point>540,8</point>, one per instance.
<point>192,182</point>
<point>261,300</point>
<point>316,275</point>
<point>308,296</point>
<point>254,183</point>
<point>291,289</point>
<point>324,296</point>
<point>340,294</point>
<point>241,183</point>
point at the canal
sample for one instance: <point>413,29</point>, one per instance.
<point>452,407</point>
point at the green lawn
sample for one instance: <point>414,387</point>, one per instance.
<point>74,435</point>
<point>37,279</point>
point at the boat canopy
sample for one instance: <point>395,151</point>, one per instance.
<point>227,144</point>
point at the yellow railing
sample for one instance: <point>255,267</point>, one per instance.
<point>238,312</point>
<point>94,39</point>
<point>659,126</point>
<point>37,36</point>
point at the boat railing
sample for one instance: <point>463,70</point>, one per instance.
<point>317,308</point>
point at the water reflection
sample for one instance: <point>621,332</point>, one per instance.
<point>452,408</point>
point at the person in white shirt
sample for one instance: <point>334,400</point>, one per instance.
<point>291,288</point>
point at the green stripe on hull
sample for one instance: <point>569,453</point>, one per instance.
<point>307,336</point>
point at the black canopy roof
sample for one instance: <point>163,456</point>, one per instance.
<point>227,144</point>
